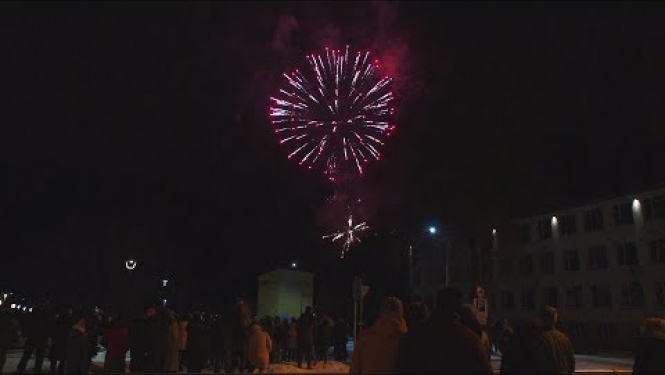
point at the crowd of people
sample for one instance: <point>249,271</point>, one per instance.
<point>446,340</point>
<point>451,340</point>
<point>160,341</point>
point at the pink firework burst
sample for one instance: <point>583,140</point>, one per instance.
<point>336,114</point>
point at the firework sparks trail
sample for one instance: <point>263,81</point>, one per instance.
<point>335,114</point>
<point>349,234</point>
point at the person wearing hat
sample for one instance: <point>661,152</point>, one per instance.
<point>376,351</point>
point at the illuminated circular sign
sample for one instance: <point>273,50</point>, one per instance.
<point>130,264</point>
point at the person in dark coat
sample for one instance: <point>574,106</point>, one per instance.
<point>77,359</point>
<point>137,344</point>
<point>242,319</point>
<point>324,338</point>
<point>153,338</point>
<point>8,333</point>
<point>279,339</point>
<point>196,352</point>
<point>417,317</point>
<point>227,342</point>
<point>650,348</point>
<point>143,342</point>
<point>504,333</point>
<point>115,340</point>
<point>520,355</point>
<point>306,329</point>
<point>93,329</point>
<point>554,352</point>
<point>217,344</point>
<point>445,346</point>
<point>61,326</point>
<point>36,328</point>
<point>339,339</point>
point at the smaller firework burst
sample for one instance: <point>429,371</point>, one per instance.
<point>349,234</point>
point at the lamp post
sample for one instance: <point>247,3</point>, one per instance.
<point>446,246</point>
<point>294,265</point>
<point>411,272</point>
<point>432,232</point>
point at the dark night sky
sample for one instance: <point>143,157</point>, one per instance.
<point>141,129</point>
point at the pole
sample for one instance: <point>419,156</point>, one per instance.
<point>411,272</point>
<point>360,313</point>
<point>355,322</point>
<point>301,292</point>
<point>447,264</point>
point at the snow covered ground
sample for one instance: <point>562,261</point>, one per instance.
<point>586,364</point>
<point>332,367</point>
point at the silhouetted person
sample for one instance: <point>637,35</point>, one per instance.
<point>35,327</point>
<point>377,349</point>
<point>306,329</point>
<point>324,338</point>
<point>116,341</point>
<point>554,352</point>
<point>520,352</point>
<point>195,344</point>
<point>339,339</point>
<point>259,348</point>
<point>77,359</point>
<point>445,346</point>
<point>61,326</point>
<point>650,348</point>
<point>143,340</point>
<point>242,318</point>
<point>8,333</point>
<point>292,340</point>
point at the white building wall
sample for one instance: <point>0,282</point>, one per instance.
<point>585,322</point>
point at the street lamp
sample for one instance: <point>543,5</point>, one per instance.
<point>433,231</point>
<point>294,265</point>
<point>165,282</point>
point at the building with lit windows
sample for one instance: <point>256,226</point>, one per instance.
<point>285,293</point>
<point>602,265</point>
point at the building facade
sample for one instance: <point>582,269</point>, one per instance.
<point>285,293</point>
<point>602,265</point>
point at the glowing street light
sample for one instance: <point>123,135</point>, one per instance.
<point>294,265</point>
<point>165,282</point>
<point>432,230</point>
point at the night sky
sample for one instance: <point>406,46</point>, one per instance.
<point>141,130</point>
